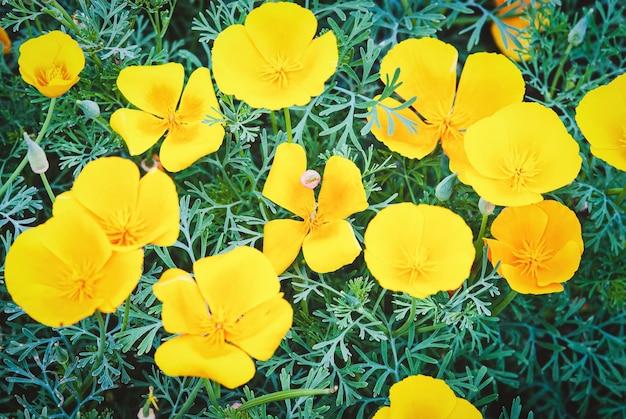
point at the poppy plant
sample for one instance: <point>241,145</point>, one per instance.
<point>520,153</point>
<point>65,269</point>
<point>133,212</point>
<point>326,238</point>
<point>156,91</point>
<point>600,115</point>
<point>442,112</point>
<point>278,63</point>
<point>421,396</point>
<point>232,311</point>
<point>418,249</point>
<point>538,246</point>
<point>51,63</point>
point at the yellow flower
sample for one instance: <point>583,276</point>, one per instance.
<point>519,153</point>
<point>601,116</point>
<point>5,41</point>
<point>231,312</point>
<point>51,63</point>
<point>418,249</point>
<point>539,246</point>
<point>133,212</point>
<point>421,396</point>
<point>65,269</point>
<point>156,91</point>
<point>428,71</point>
<point>326,238</point>
<point>272,60</point>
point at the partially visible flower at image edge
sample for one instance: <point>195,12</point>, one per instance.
<point>515,26</point>
<point>418,249</point>
<point>442,112</point>
<point>65,269</point>
<point>51,63</point>
<point>132,211</point>
<point>519,153</point>
<point>421,396</point>
<point>601,116</point>
<point>538,246</point>
<point>156,91</point>
<point>326,238</point>
<point>232,311</point>
<point>272,61</point>
<point>5,41</point>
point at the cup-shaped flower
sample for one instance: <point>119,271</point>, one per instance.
<point>538,246</point>
<point>65,269</point>
<point>519,153</point>
<point>418,249</point>
<point>133,212</point>
<point>272,60</point>
<point>5,41</point>
<point>51,63</point>
<point>601,116</point>
<point>232,311</point>
<point>421,396</point>
<point>326,238</point>
<point>156,91</point>
<point>427,66</point>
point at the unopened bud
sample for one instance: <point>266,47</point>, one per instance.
<point>89,107</point>
<point>443,191</point>
<point>577,34</point>
<point>485,207</point>
<point>146,413</point>
<point>310,179</point>
<point>36,156</point>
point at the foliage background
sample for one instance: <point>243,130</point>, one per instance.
<point>552,356</point>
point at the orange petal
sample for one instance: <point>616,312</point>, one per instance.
<point>330,246</point>
<point>342,193</point>
<point>524,284</point>
<point>282,240</point>
<point>561,266</point>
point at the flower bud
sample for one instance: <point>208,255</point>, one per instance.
<point>485,207</point>
<point>443,191</point>
<point>89,107</point>
<point>577,34</point>
<point>146,413</point>
<point>310,179</point>
<point>36,156</point>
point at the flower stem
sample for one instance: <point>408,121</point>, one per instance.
<point>274,123</point>
<point>505,302</point>
<point>559,71</point>
<point>409,321</point>
<point>189,402</point>
<point>284,395</point>
<point>479,246</point>
<point>103,337</point>
<point>430,328</point>
<point>126,314</point>
<point>213,391</point>
<point>46,185</point>
<point>288,125</point>
<point>621,196</point>
<point>24,161</point>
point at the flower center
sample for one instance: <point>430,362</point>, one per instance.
<point>532,257</point>
<point>417,264</point>
<point>277,71</point>
<point>80,284</point>
<point>48,74</point>
<point>220,326</point>
<point>315,220</point>
<point>521,166</point>
<point>124,229</point>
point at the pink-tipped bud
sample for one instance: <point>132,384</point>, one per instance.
<point>310,179</point>
<point>36,156</point>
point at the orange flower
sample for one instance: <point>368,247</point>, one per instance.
<point>538,246</point>
<point>5,41</point>
<point>515,24</point>
<point>427,66</point>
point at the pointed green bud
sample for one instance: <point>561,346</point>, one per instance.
<point>443,191</point>
<point>485,207</point>
<point>36,156</point>
<point>89,107</point>
<point>577,35</point>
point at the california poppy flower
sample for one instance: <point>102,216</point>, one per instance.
<point>421,396</point>
<point>231,311</point>
<point>132,211</point>
<point>538,246</point>
<point>65,269</point>
<point>514,26</point>
<point>519,153</point>
<point>277,62</point>
<point>442,112</point>
<point>326,238</point>
<point>156,91</point>
<point>51,63</point>
<point>600,115</point>
<point>418,249</point>
<point>5,41</point>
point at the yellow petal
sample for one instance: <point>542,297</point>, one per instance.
<point>193,356</point>
<point>383,413</point>
<point>282,240</point>
<point>187,143</point>
<point>421,396</point>
<point>414,145</point>
<point>561,266</point>
<point>319,63</point>
<point>428,71</point>
<point>261,329</point>
<point>330,246</point>
<point>198,99</point>
<point>524,284</point>
<point>464,409</point>
<point>119,278</point>
<point>564,225</point>
<point>184,309</point>
<point>140,130</point>
<point>158,209</point>
<point>283,185</point>
<point>153,88</point>
<point>342,193</point>
<point>518,225</point>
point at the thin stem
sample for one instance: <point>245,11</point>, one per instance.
<point>126,314</point>
<point>479,246</point>
<point>621,196</point>
<point>189,402</point>
<point>430,328</point>
<point>505,302</point>
<point>46,185</point>
<point>103,337</point>
<point>274,123</point>
<point>559,70</point>
<point>212,391</point>
<point>288,125</point>
<point>284,395</point>
<point>409,321</point>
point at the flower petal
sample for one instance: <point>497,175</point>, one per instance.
<point>562,266</point>
<point>342,193</point>
<point>464,409</point>
<point>524,284</point>
<point>140,130</point>
<point>564,225</point>
<point>516,225</point>
<point>383,413</point>
<point>330,246</point>
<point>158,209</point>
<point>282,240</point>
<point>421,396</point>
<point>119,278</point>
<point>187,143</point>
<point>193,356</point>
<point>283,185</point>
<point>198,99</point>
<point>319,63</point>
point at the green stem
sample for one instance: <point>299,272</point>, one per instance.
<point>479,247</point>
<point>24,161</point>
<point>288,125</point>
<point>430,328</point>
<point>126,314</point>
<point>189,402</point>
<point>621,196</point>
<point>274,123</point>
<point>409,321</point>
<point>103,337</point>
<point>559,71</point>
<point>46,185</point>
<point>284,395</point>
<point>212,391</point>
<point>505,302</point>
